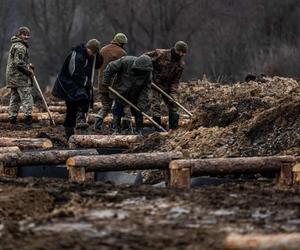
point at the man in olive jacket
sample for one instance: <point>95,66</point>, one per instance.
<point>19,74</point>
<point>167,70</point>
<point>110,52</point>
<point>133,81</point>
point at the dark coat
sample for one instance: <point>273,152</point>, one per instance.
<point>74,80</point>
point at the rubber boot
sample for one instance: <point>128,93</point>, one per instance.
<point>126,126</point>
<point>116,124</point>
<point>28,122</point>
<point>81,121</point>
<point>173,120</point>
<point>99,123</point>
<point>139,124</point>
<point>69,131</point>
<point>13,120</point>
<point>157,119</point>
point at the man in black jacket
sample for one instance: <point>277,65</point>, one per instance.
<point>73,84</point>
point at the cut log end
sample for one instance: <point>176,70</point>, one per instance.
<point>47,144</point>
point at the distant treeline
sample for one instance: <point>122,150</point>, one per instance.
<point>228,38</point>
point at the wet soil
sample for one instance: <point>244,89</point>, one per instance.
<point>54,214</point>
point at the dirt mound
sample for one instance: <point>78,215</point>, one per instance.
<point>244,119</point>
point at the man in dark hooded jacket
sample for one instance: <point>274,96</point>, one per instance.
<point>73,84</point>
<point>133,81</point>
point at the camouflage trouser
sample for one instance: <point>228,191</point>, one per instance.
<point>20,96</point>
<point>106,105</point>
<point>157,99</point>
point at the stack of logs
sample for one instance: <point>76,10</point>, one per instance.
<point>82,158</point>
<point>58,110</point>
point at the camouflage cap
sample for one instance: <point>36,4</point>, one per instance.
<point>24,31</point>
<point>94,45</point>
<point>120,38</point>
<point>181,46</point>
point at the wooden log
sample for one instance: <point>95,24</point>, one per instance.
<point>219,166</point>
<point>296,174</point>
<point>286,175</point>
<point>26,143</point>
<point>56,103</point>
<point>180,177</point>
<point>58,109</point>
<point>50,157</point>
<point>10,150</point>
<point>119,162</point>
<point>4,109</point>
<point>104,141</point>
<point>8,171</point>
<point>263,242</point>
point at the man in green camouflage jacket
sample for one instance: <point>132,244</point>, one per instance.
<point>19,73</point>
<point>132,79</point>
<point>167,70</point>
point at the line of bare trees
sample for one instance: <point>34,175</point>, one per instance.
<point>227,38</point>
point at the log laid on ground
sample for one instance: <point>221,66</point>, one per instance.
<point>263,242</point>
<point>8,172</point>
<point>219,166</point>
<point>26,143</point>
<point>119,162</point>
<point>4,109</point>
<point>35,117</point>
<point>104,141</point>
<point>10,150</point>
<point>58,109</point>
<point>50,157</point>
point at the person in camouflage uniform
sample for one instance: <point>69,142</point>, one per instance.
<point>133,81</point>
<point>110,52</point>
<point>19,73</point>
<point>167,70</point>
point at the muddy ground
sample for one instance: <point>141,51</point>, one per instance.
<point>244,119</point>
<point>54,214</point>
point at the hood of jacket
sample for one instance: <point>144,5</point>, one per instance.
<point>143,63</point>
<point>16,39</point>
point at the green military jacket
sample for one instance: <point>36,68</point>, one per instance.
<point>17,69</point>
<point>131,77</point>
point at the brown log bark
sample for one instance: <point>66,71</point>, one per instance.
<point>296,174</point>
<point>217,166</point>
<point>60,118</point>
<point>180,177</point>
<point>4,109</point>
<point>51,157</point>
<point>104,141</point>
<point>263,242</point>
<point>26,143</point>
<point>118,162</point>
<point>8,171</point>
<point>58,109</point>
<point>10,150</point>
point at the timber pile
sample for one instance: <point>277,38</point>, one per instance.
<point>104,141</point>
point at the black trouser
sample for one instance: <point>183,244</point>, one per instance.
<point>72,109</point>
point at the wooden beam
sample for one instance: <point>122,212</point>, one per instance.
<point>119,162</point>
<point>262,242</point>
<point>26,143</point>
<point>104,141</point>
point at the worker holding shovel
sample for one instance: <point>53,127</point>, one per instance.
<point>167,70</point>
<point>74,82</point>
<point>19,73</point>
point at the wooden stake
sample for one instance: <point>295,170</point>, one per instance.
<point>296,174</point>
<point>180,177</point>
